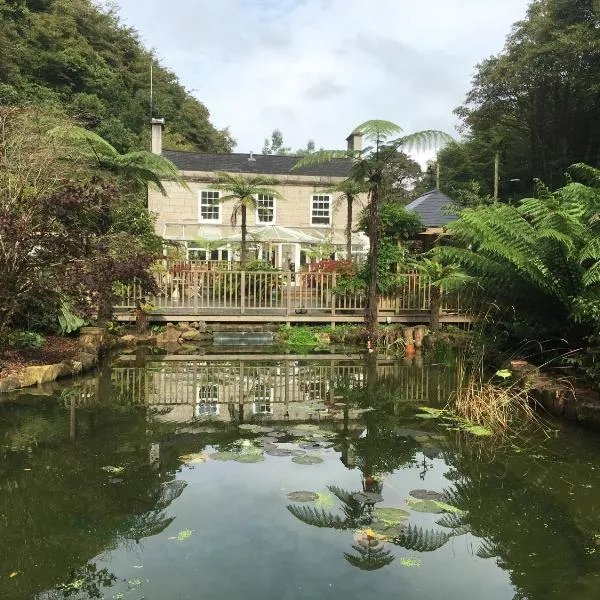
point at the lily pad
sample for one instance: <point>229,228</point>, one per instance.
<point>477,430</point>
<point>307,459</point>
<point>298,452</point>
<point>311,446</point>
<point>367,497</point>
<point>223,455</point>
<point>250,457</point>
<point>278,452</point>
<point>391,516</point>
<point>425,495</point>
<point>425,506</point>
<point>266,439</point>
<point>193,458</point>
<point>325,499</point>
<point>303,496</point>
<point>367,538</point>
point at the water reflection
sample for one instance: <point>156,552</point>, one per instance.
<point>101,478</point>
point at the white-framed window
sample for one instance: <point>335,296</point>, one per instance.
<point>265,209</point>
<point>207,400</point>
<point>263,396</point>
<point>197,253</point>
<point>209,209</point>
<point>320,209</point>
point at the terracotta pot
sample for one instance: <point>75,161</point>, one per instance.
<point>409,349</point>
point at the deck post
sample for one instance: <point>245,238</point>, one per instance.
<point>331,294</point>
<point>243,293</point>
<point>288,285</point>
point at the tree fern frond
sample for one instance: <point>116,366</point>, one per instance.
<point>423,140</point>
<point>318,517</point>
<point>420,540</point>
<point>487,549</point>
<point>321,156</point>
<point>378,129</point>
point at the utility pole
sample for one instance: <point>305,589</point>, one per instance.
<point>496,175</point>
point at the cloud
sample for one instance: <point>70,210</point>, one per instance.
<point>316,68</point>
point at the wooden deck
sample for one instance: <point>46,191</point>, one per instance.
<point>215,295</point>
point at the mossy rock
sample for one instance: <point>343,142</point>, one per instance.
<point>223,455</point>
<point>303,496</point>
<point>307,459</point>
<point>425,495</point>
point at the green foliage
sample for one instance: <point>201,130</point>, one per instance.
<point>68,321</point>
<point>539,262</point>
<point>26,339</point>
<point>79,58</point>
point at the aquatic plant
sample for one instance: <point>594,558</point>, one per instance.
<point>307,459</point>
<point>410,561</point>
<point>302,496</point>
<point>425,495</point>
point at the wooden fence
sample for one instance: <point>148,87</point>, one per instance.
<point>230,291</point>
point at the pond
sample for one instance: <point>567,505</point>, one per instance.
<point>287,477</point>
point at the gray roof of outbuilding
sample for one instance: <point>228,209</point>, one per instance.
<point>433,208</point>
<point>267,164</point>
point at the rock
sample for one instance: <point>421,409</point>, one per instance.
<point>128,340</point>
<point>170,335</point>
<point>39,374</point>
<point>201,326</point>
<point>184,325</point>
<point>191,335</point>
<point>8,384</point>
<point>86,360</point>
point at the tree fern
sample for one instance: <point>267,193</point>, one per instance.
<point>318,517</point>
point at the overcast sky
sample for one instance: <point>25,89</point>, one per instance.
<point>317,68</point>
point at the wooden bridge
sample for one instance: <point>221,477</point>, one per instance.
<point>192,292</point>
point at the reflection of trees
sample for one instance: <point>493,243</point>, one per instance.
<point>523,517</point>
<point>357,515</point>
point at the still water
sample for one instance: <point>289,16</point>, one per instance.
<point>174,478</point>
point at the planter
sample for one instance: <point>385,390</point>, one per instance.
<point>419,335</point>
<point>92,330</point>
<point>409,349</point>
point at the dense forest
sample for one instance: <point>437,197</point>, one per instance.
<point>76,58</point>
<point>536,104</point>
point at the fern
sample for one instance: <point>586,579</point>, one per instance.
<point>369,559</point>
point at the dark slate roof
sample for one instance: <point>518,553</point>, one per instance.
<point>433,208</point>
<point>267,164</point>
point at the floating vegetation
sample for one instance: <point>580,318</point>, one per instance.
<point>303,496</point>
<point>194,458</point>
<point>367,497</point>
<point>311,446</point>
<point>410,561</point>
<point>265,439</point>
<point>391,516</point>
<point>307,459</point>
<point>225,455</point>
<point>432,506</point>
<point>113,470</point>
<point>254,428</point>
<point>279,452</point>
<point>249,457</point>
<point>449,419</point>
<point>184,534</point>
<point>367,538</point>
<point>133,583</point>
<point>324,499</point>
<point>425,495</point>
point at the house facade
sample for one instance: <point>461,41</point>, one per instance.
<point>306,222</point>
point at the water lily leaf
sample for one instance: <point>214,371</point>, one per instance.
<point>278,452</point>
<point>184,534</point>
<point>307,459</point>
<point>265,439</point>
<point>428,412</point>
<point>303,496</point>
<point>409,561</point>
<point>425,495</point>
<point>325,499</point>
<point>311,446</point>
<point>113,470</point>
<point>193,458</point>
<point>223,455</point>
<point>425,506</point>
<point>367,497</point>
<point>249,457</point>
<point>504,373</point>
<point>390,516</point>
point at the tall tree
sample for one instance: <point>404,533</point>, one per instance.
<point>275,145</point>
<point>243,192</point>
<point>371,167</point>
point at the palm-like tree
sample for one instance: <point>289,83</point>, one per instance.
<point>385,140</point>
<point>441,277</point>
<point>244,192</point>
<point>346,192</point>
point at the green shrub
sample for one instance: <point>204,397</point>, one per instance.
<point>26,339</point>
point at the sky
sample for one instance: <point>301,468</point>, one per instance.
<point>317,68</point>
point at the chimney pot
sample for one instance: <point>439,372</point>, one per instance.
<point>157,135</point>
<point>355,141</point>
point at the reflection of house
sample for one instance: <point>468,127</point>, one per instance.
<point>195,216</point>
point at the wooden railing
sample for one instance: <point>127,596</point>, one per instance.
<point>183,286</point>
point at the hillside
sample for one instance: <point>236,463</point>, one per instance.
<point>74,57</point>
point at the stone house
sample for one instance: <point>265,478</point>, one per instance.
<point>309,214</point>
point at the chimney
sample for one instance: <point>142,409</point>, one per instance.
<point>354,141</point>
<point>157,134</point>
